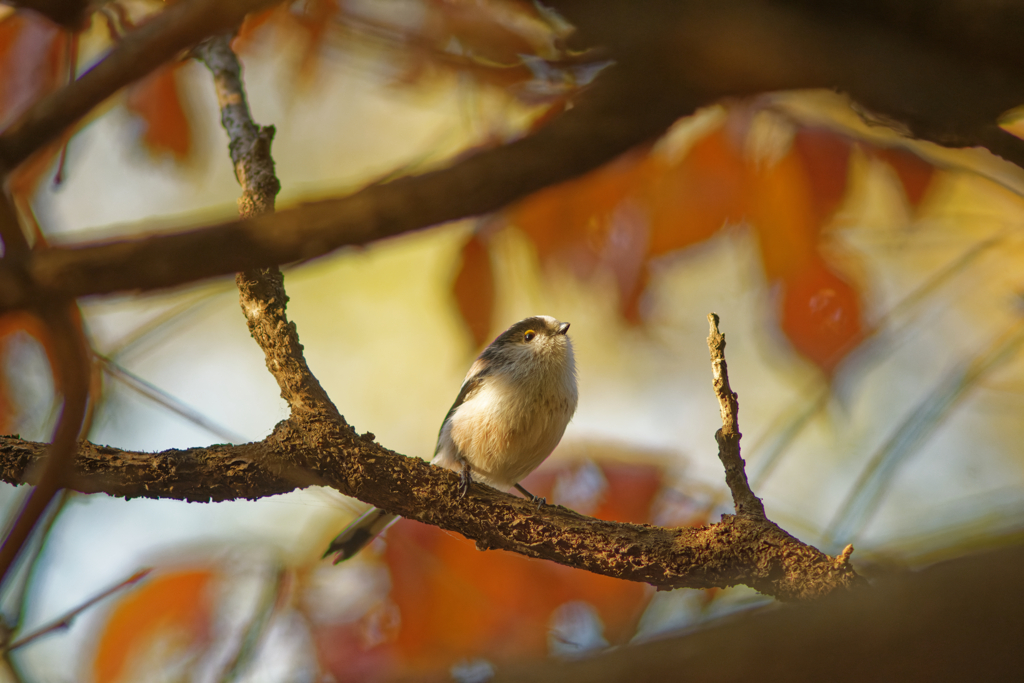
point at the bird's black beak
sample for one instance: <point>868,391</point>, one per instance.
<point>563,328</point>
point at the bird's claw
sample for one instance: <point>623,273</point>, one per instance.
<point>541,502</point>
<point>465,479</point>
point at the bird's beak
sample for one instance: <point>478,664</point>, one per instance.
<point>563,328</point>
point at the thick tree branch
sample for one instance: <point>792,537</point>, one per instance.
<point>928,86</point>
<point>986,32</point>
<point>944,69</point>
<point>68,13</point>
<point>197,475</point>
<point>607,123</point>
<point>159,40</point>
<point>741,549</point>
<point>738,550</point>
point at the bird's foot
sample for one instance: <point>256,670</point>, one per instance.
<point>541,502</point>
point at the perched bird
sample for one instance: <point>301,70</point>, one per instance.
<point>511,412</point>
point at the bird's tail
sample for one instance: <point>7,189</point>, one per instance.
<point>359,533</point>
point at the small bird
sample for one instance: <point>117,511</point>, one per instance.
<point>511,412</point>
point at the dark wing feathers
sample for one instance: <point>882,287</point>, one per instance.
<point>469,387</point>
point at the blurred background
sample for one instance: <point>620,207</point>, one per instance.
<point>868,285</point>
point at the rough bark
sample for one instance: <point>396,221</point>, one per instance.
<point>738,550</point>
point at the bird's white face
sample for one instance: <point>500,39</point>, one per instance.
<point>535,346</point>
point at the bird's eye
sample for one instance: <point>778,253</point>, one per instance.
<point>530,334</point>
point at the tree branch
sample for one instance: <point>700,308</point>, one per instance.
<point>951,92</point>
<point>197,475</point>
<point>608,122</point>
<point>65,621</point>
<point>728,437</point>
<point>261,290</point>
<point>68,13</point>
<point>736,551</point>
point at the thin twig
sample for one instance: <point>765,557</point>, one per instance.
<point>728,437</point>
<point>65,621</point>
<point>261,290</point>
<point>154,393</point>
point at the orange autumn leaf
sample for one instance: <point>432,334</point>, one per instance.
<point>456,603</point>
<point>12,324</point>
<point>915,173</point>
<point>691,200</point>
<point>588,222</point>
<point>792,200</point>
<point>314,20</point>
<point>36,58</point>
<point>156,99</point>
<point>631,491</point>
<point>821,315</point>
<point>783,213</point>
<point>474,289</point>
<point>169,611</point>
<point>245,37</point>
<point>826,159</point>
<point>343,651</point>
<point>569,222</point>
